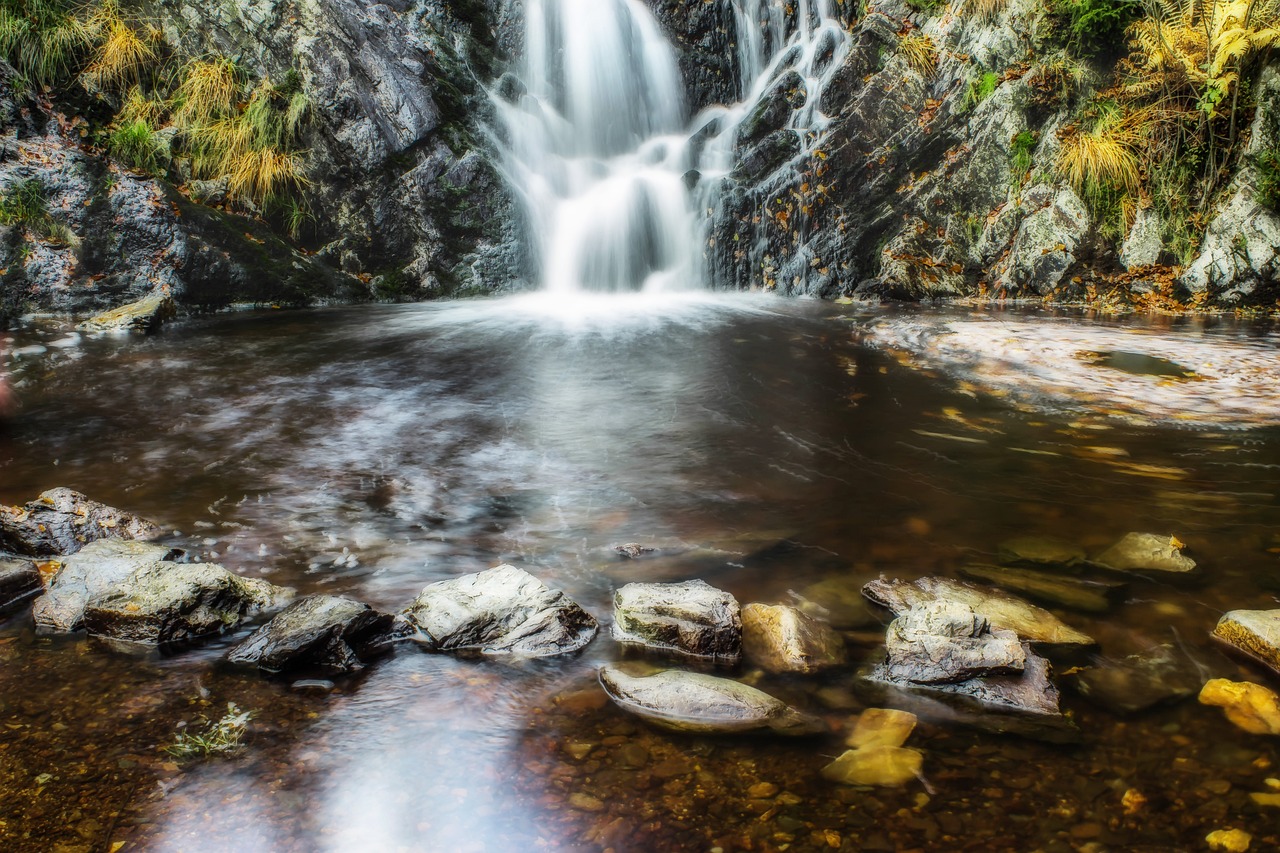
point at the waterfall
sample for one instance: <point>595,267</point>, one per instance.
<point>617,182</point>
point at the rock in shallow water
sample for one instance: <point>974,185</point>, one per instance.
<point>691,619</point>
<point>882,766</point>
<point>18,579</point>
<point>175,602</point>
<point>1254,632</point>
<point>839,602</point>
<point>783,639</point>
<point>62,521</point>
<point>945,641</point>
<point>695,702</point>
<point>1147,552</point>
<point>1001,609</point>
<point>1140,681</point>
<point>1250,706</point>
<point>881,727</point>
<point>323,631</point>
<point>503,610</point>
<point>1041,550</point>
<point>96,568</point>
<point>1059,590</point>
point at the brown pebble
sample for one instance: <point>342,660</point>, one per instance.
<point>762,790</point>
<point>1086,830</point>
<point>585,803</point>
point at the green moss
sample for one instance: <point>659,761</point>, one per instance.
<point>980,88</point>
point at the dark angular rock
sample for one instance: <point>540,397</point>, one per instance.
<point>764,158</point>
<point>176,602</point>
<point>1135,683</point>
<point>940,642</point>
<point>94,569</point>
<point>323,631</point>
<point>18,580</point>
<point>503,610</point>
<point>774,110</point>
<point>62,521</point>
<point>691,619</point>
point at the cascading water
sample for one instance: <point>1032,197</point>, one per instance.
<point>617,184</point>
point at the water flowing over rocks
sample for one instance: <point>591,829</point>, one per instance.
<point>779,638</point>
<point>19,579</point>
<point>94,569</point>
<point>1256,633</point>
<point>691,619</point>
<point>165,602</point>
<point>1029,622</point>
<point>62,521</point>
<point>321,631</point>
<point>699,703</point>
<point>500,611</point>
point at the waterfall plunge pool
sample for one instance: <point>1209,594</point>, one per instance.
<point>765,444</point>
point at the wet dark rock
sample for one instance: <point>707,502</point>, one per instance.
<point>94,569</point>
<point>1255,633</point>
<point>784,639</point>
<point>1001,609</point>
<point>691,619</point>
<point>323,631</point>
<point>62,521</point>
<point>1025,704</point>
<point>503,610</point>
<point>1065,591</point>
<point>700,703</point>
<point>148,314</point>
<point>19,579</point>
<point>633,550</point>
<point>773,111</point>
<point>1153,552</point>
<point>767,155</point>
<point>938,642</point>
<point>175,602</point>
<point>1140,681</point>
<point>1041,550</point>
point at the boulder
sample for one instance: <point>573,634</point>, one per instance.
<point>94,569</point>
<point>691,619</point>
<point>1001,609</point>
<point>320,631</point>
<point>148,314</point>
<point>700,703</point>
<point>1250,706</point>
<point>176,602</point>
<point>1145,243</point>
<point>945,641</point>
<point>1254,632</point>
<point>1048,241</point>
<point>503,610</point>
<point>1147,552</point>
<point>18,580</point>
<point>62,521</point>
<point>1061,590</point>
<point>1140,681</point>
<point>882,766</point>
<point>783,639</point>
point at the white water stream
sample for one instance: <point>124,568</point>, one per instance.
<point>618,183</point>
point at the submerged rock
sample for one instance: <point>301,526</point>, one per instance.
<point>882,727</point>
<point>1044,550</point>
<point>324,631</point>
<point>62,521</point>
<point>783,639</point>
<point>1140,681</point>
<point>175,602</point>
<point>695,702</point>
<point>95,569</point>
<point>1147,552</point>
<point>838,601</point>
<point>882,766</point>
<point>1254,632</point>
<point>945,641</point>
<point>633,550</point>
<point>1064,591</point>
<point>503,610</point>
<point>18,580</point>
<point>1250,706</point>
<point>691,619</point>
<point>1000,608</point>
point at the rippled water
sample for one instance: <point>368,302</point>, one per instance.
<point>768,444</point>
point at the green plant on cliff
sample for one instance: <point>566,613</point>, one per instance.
<point>980,88</point>
<point>25,204</point>
<point>1267,166</point>
<point>121,54</point>
<point>1095,26</point>
<point>1021,151</point>
<point>44,40</point>
<point>137,145</point>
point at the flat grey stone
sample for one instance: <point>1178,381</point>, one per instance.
<point>96,568</point>
<point>691,619</point>
<point>321,631</point>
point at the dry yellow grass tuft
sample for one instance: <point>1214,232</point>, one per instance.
<point>920,52</point>
<point>1108,155</point>
<point>121,54</point>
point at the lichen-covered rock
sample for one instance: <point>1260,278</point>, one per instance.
<point>19,579</point>
<point>1145,243</point>
<point>176,602</point>
<point>699,703</point>
<point>945,641</point>
<point>1138,552</point>
<point>94,569</point>
<point>1045,247</point>
<point>1250,706</point>
<point>783,639</point>
<point>1253,632</point>
<point>62,521</point>
<point>691,619</point>
<point>148,314</point>
<point>503,610</point>
<point>1001,609</point>
<point>322,631</point>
